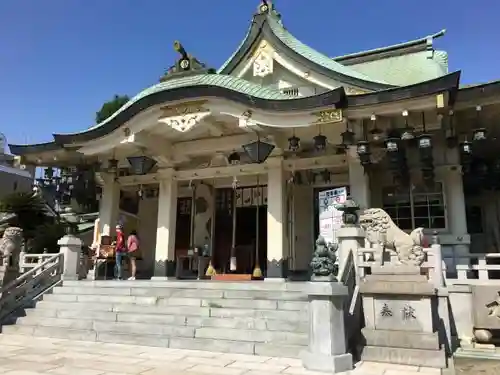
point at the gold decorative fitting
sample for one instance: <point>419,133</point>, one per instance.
<point>184,117</point>
<point>327,116</point>
<point>354,91</point>
<point>183,109</point>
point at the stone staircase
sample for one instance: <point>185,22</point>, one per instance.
<point>262,318</point>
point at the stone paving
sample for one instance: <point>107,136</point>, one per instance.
<point>25,355</point>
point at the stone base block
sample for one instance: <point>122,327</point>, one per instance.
<point>401,339</point>
<point>399,356</point>
<point>395,270</point>
<point>327,363</point>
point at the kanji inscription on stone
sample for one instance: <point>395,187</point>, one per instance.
<point>386,311</point>
<point>408,312</point>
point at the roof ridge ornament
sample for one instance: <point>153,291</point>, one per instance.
<point>268,7</point>
<point>185,65</point>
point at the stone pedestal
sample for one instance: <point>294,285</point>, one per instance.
<point>402,323</point>
<point>71,247</point>
<point>327,343</point>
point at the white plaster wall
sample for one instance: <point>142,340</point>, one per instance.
<point>282,78</point>
<point>148,220</point>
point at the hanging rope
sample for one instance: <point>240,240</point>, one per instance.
<point>257,272</point>
<point>233,262</point>
<point>210,269</point>
<point>193,214</point>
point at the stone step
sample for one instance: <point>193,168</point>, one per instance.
<point>88,328</point>
<point>202,285</point>
<point>217,345</point>
<point>123,289</point>
<point>162,330</point>
<point>84,308</point>
<point>75,319</point>
<point>234,303</point>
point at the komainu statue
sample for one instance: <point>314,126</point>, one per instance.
<point>11,243</point>
<point>380,229</point>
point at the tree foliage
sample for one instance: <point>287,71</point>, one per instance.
<point>40,231</point>
<point>110,107</point>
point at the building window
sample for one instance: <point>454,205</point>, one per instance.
<point>416,207</point>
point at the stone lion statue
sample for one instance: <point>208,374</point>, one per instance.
<point>380,229</point>
<point>11,242</point>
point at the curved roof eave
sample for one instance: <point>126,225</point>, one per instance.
<point>447,83</point>
<point>395,47</point>
<point>33,148</point>
<point>216,86</point>
<point>266,26</point>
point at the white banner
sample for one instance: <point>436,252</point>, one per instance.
<point>330,219</point>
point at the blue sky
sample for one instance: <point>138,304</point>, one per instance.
<point>61,59</point>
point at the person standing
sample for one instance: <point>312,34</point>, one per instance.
<point>121,251</point>
<point>132,252</point>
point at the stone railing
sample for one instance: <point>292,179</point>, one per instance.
<point>371,255</point>
<point>24,289</point>
<point>30,261</point>
<point>478,269</point>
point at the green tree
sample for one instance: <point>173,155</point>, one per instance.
<point>110,107</point>
<point>40,230</point>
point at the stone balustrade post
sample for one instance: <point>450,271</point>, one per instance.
<point>70,247</point>
<point>327,339</point>
<point>351,239</point>
<point>437,276</point>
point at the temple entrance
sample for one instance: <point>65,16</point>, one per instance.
<point>240,227</point>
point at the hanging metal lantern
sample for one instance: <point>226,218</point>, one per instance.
<point>364,153</point>
<point>234,158</point>
<point>479,134</point>
<point>348,137</point>
<point>408,134</point>
<point>376,133</point>
<point>425,143</point>
<point>392,144</point>
<point>466,156</point>
<point>141,165</point>
<point>293,143</point>
<point>466,148</point>
<point>319,142</point>
<point>258,151</point>
<point>408,130</point>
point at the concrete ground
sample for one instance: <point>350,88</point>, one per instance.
<point>25,355</point>
<point>476,366</point>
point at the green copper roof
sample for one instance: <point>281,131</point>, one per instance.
<point>268,26</point>
<point>311,54</point>
<point>224,81</point>
<point>406,69</point>
<point>424,43</point>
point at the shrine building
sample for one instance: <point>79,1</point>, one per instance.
<point>232,161</point>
